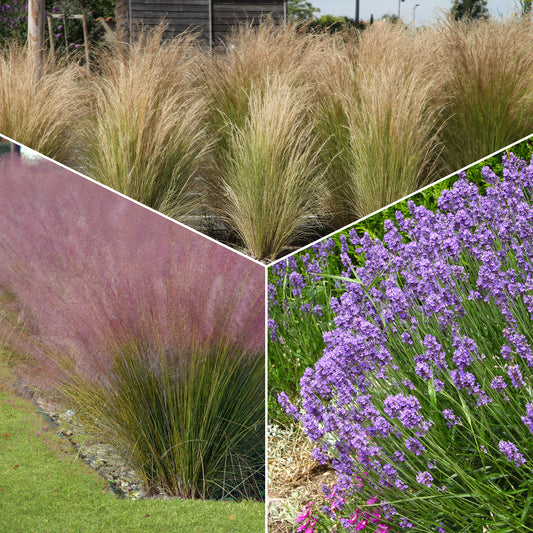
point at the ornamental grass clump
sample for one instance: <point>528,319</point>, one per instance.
<point>145,135</point>
<point>271,180</point>
<point>379,117</point>
<point>152,333</point>
<point>190,420</point>
<point>487,69</point>
<point>424,390</point>
<point>40,114</point>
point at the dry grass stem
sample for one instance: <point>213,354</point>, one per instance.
<point>42,116</point>
<point>145,135</point>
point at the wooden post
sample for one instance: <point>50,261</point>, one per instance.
<point>35,36</point>
<point>65,32</point>
<point>211,22</point>
<point>86,41</point>
<point>52,45</point>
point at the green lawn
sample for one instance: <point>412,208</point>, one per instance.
<point>44,488</point>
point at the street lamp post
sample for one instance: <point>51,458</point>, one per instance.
<point>414,12</point>
<point>357,11</point>
<point>399,4</point>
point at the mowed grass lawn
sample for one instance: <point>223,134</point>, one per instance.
<point>44,488</point>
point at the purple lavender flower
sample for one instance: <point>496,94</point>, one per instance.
<point>528,419</point>
<point>452,420</point>
<point>424,478</point>
<point>415,446</point>
<point>272,329</point>
<point>297,283</point>
<point>405,524</point>
<point>405,408</point>
<point>498,383</point>
<point>406,319</point>
<point>511,452</point>
<point>516,376</point>
<point>317,310</point>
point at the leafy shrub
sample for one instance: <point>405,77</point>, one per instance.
<point>13,21</point>
<point>121,308</point>
<point>422,399</point>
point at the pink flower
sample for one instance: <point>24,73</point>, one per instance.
<point>308,522</point>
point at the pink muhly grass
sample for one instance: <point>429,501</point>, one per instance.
<point>91,275</point>
<point>88,265</point>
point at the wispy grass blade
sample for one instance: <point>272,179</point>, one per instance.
<point>145,133</point>
<point>40,115</point>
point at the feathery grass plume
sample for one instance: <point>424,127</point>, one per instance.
<point>249,58</point>
<point>487,69</point>
<point>334,86</point>
<point>272,181</point>
<point>121,299</point>
<point>39,115</point>
<point>388,95</point>
<point>145,135</point>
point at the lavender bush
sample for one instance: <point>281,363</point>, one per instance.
<point>424,390</point>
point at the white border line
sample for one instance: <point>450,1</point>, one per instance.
<point>185,226</point>
<point>400,200</point>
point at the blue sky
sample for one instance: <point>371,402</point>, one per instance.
<point>427,11</point>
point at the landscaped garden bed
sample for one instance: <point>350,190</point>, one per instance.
<point>412,370</point>
<point>144,337</point>
<point>281,135</point>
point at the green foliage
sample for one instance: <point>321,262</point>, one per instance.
<point>332,24</point>
<point>298,342</point>
<point>13,22</point>
<point>67,34</point>
<point>190,421</point>
<point>301,10</point>
<point>525,7</point>
<point>14,17</point>
<point>469,9</point>
<point>374,225</point>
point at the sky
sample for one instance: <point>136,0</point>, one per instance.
<point>426,12</point>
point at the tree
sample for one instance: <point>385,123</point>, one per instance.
<point>469,9</point>
<point>332,24</point>
<point>300,10</point>
<point>392,19</point>
<point>525,8</point>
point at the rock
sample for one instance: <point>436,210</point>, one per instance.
<point>100,456</point>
